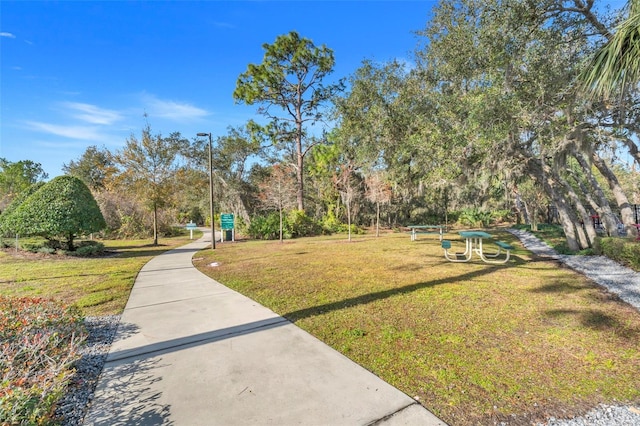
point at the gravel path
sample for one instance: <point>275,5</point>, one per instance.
<point>74,405</point>
<point>624,282</point>
<point>616,278</point>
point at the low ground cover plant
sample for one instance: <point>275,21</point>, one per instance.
<point>623,250</point>
<point>39,341</point>
<point>474,343</point>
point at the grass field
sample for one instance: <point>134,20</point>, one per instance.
<point>474,343</point>
<point>99,286</point>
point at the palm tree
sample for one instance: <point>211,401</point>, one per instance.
<point>617,63</point>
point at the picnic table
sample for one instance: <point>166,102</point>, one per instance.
<point>474,244</point>
<point>426,229</point>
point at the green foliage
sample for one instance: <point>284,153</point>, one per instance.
<point>17,177</point>
<point>15,203</point>
<point>39,341</point>
<point>92,168</point>
<point>621,250</point>
<point>331,224</point>
<point>267,227</point>
<point>290,78</point>
<point>504,215</point>
<point>62,209</point>
<point>294,224</point>
<point>616,65</point>
<point>89,248</point>
<point>301,225</point>
<point>474,217</point>
<point>148,170</point>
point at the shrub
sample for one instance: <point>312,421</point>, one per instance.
<point>621,250</point>
<point>32,246</point>
<point>39,341</point>
<point>501,215</point>
<point>5,228</point>
<point>88,248</point>
<point>46,250</point>
<point>330,223</point>
<point>301,225</point>
<point>474,217</point>
<point>268,227</point>
<point>61,209</point>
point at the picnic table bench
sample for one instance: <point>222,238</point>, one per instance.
<point>426,229</point>
<point>473,244</point>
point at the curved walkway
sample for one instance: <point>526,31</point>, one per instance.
<point>190,351</point>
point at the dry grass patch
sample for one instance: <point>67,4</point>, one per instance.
<point>475,343</point>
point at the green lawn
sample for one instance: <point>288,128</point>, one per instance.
<point>475,343</point>
<point>99,286</point>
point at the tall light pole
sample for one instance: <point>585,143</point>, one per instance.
<point>213,220</point>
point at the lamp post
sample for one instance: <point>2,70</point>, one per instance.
<point>213,221</point>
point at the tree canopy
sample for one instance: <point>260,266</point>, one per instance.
<point>61,209</point>
<point>290,80</point>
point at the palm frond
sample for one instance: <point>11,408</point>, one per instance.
<point>617,64</point>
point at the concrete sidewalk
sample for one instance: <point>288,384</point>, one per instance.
<point>190,351</point>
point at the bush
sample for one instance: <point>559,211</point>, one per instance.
<point>39,341</point>
<point>32,246</point>
<point>301,225</point>
<point>88,248</point>
<point>330,225</point>
<point>474,217</point>
<point>501,216</point>
<point>268,227</point>
<point>61,209</point>
<point>621,250</point>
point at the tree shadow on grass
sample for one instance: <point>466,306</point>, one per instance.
<point>560,287</point>
<point>379,295</point>
<point>599,321</point>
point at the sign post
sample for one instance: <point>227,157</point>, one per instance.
<point>191,226</point>
<point>227,224</point>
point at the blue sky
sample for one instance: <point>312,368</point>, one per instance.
<point>77,74</point>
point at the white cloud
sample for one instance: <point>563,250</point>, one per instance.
<point>8,35</point>
<point>92,114</point>
<point>88,133</point>
<point>176,111</point>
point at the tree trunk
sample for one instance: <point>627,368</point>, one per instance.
<point>633,149</point>
<point>348,203</point>
<point>281,237</point>
<point>623,203</point>
<point>155,225</point>
<point>300,168</point>
<point>604,209</point>
<point>567,217</point>
<point>588,224</point>
<point>586,233</point>
<point>377,219</point>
